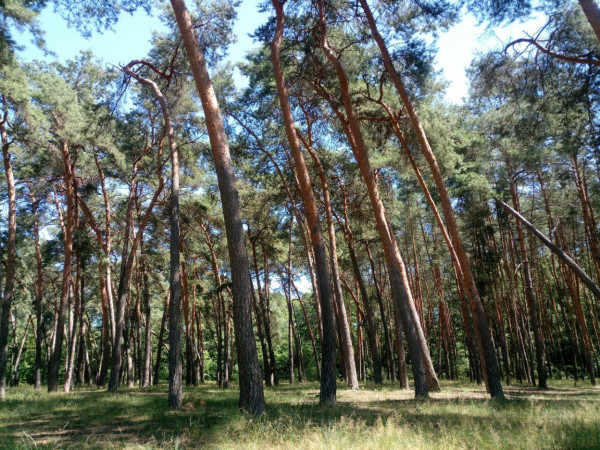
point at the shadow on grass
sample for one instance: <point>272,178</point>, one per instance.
<point>210,416</point>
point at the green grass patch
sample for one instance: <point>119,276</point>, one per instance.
<point>461,416</point>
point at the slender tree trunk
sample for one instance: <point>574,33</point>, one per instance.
<point>55,359</point>
<point>15,370</point>
<point>251,389</point>
<point>310,331</point>
<point>147,370</point>
<point>39,294</point>
<point>404,306</point>
<point>268,355</point>
<point>371,329</point>
<point>328,385</point>
<point>386,333</point>
<point>529,295</point>
<point>117,353</point>
<point>161,339</point>
<point>76,311</point>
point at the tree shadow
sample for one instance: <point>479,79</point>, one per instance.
<point>211,416</point>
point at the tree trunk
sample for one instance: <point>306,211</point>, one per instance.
<point>55,359</point>
<point>147,370</point>
<point>161,338</point>
<point>404,307</point>
<point>15,370</point>
<point>387,336</point>
<point>39,295</point>
<point>328,384</point>
<point>344,327</point>
<point>482,331</point>
<point>592,13</point>
<point>540,353</point>
<point>251,389</point>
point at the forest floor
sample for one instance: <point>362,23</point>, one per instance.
<point>461,416</point>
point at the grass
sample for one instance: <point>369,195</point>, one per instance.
<point>461,416</point>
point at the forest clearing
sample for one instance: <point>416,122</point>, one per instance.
<point>462,416</point>
<point>309,242</point>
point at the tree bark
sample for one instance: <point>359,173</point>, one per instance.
<point>484,340</point>
<point>592,13</point>
<point>328,384</point>
<point>251,389</point>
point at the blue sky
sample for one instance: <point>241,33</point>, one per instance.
<point>130,40</point>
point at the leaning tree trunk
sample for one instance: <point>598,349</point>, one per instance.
<point>485,343</point>
<point>404,307</point>
<point>578,271</point>
<point>592,13</point>
<point>328,385</point>
<point>344,327</point>
<point>251,389</point>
